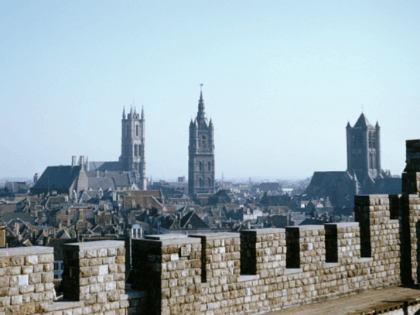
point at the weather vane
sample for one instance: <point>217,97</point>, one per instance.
<point>201,86</point>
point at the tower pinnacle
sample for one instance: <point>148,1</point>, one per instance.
<point>201,115</point>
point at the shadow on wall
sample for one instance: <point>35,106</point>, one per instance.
<point>417,251</point>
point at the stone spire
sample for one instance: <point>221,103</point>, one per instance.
<point>201,115</point>
<point>142,113</point>
<point>123,116</point>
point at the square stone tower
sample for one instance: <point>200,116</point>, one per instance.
<point>201,168</point>
<point>364,149</point>
<point>132,157</point>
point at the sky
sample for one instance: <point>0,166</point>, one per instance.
<point>281,81</point>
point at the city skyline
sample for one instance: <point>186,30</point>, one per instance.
<point>281,81</point>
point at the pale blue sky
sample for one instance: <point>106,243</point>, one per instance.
<point>281,80</point>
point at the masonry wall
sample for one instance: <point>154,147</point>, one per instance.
<point>26,279</point>
<point>170,270</point>
<point>270,269</point>
<point>93,281</point>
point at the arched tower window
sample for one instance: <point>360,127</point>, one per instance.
<point>137,130</point>
<point>128,130</point>
<point>201,182</point>
<point>209,166</point>
<point>135,150</point>
<point>201,165</point>
<point>204,142</point>
<point>359,141</point>
<point>372,161</point>
<point>372,140</point>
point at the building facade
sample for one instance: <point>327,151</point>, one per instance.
<point>132,157</point>
<point>201,166</point>
<point>364,149</point>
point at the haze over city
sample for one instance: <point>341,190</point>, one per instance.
<point>281,81</point>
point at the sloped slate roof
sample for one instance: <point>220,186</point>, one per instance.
<point>121,179</point>
<point>195,221</point>
<point>58,177</point>
<point>362,122</point>
<point>102,166</point>
<point>389,186</point>
<point>95,183</point>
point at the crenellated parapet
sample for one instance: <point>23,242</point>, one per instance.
<point>271,269</point>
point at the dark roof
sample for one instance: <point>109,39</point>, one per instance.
<point>193,221</point>
<point>95,183</point>
<point>388,186</point>
<point>327,178</point>
<point>17,215</point>
<point>362,122</point>
<point>102,166</point>
<point>310,221</point>
<point>121,179</point>
<point>57,177</point>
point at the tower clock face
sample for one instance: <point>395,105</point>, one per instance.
<point>203,143</point>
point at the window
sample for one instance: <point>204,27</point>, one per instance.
<point>209,166</point>
<point>62,266</point>
<point>201,165</point>
<point>55,266</point>
<point>209,182</point>
<point>359,141</point>
<point>135,150</point>
<point>203,142</point>
<point>137,130</point>
<point>372,140</point>
<point>128,130</point>
<point>55,276</point>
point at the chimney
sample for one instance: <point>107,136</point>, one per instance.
<point>17,228</point>
<point>133,203</point>
<point>97,173</point>
<point>68,221</point>
<point>81,214</point>
<point>82,160</point>
<point>60,225</point>
<point>248,224</point>
<point>73,161</point>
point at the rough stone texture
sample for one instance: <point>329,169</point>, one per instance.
<point>94,272</point>
<point>17,290</point>
<point>170,269</point>
<point>280,267</point>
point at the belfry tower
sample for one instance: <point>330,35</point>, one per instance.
<point>132,157</point>
<point>201,167</point>
<point>364,149</point>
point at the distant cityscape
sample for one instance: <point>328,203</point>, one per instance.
<point>115,200</point>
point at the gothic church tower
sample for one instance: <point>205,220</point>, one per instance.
<point>201,153</point>
<point>132,157</point>
<point>364,149</point>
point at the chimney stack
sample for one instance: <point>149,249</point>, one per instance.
<point>82,160</point>
<point>73,161</point>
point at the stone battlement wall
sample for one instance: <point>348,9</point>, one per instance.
<point>93,281</point>
<point>270,269</point>
<point>222,273</point>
